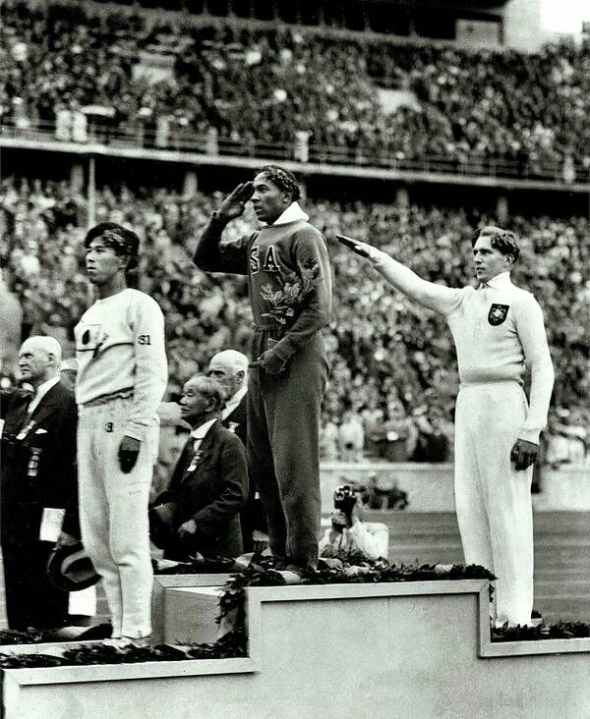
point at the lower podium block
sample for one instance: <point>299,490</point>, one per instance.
<point>164,583</point>
<point>189,614</point>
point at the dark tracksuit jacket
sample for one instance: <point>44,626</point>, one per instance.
<point>290,291</point>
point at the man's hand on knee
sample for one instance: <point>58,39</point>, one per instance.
<point>128,453</point>
<point>523,454</point>
<point>189,528</point>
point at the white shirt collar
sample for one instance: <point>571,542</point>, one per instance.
<point>234,401</point>
<point>201,431</point>
<point>499,281</point>
<point>292,213</point>
<point>42,390</point>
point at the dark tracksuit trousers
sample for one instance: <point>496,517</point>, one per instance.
<point>283,447</point>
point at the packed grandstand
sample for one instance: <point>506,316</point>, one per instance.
<point>281,89</point>
<point>255,90</point>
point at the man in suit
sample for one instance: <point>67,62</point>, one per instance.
<point>230,369</point>
<point>199,512</point>
<point>39,491</point>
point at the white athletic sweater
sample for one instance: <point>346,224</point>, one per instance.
<point>498,332</point>
<point>120,347</point>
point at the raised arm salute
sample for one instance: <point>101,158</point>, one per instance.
<point>498,331</point>
<point>208,254</point>
<point>290,290</point>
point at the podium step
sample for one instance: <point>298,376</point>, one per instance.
<point>189,614</point>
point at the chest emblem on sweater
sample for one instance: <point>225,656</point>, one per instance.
<point>285,304</point>
<point>232,426</point>
<point>497,314</point>
<point>269,263</point>
<point>92,339</point>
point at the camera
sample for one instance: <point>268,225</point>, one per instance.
<point>345,498</point>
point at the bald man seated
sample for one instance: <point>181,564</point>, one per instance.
<point>38,486</point>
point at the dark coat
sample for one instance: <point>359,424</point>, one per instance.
<point>55,483</point>
<point>252,515</point>
<point>237,421</point>
<point>31,601</point>
<point>212,494</point>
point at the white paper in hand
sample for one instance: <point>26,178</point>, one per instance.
<point>51,523</point>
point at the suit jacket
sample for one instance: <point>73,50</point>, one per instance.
<point>213,493</point>
<point>237,421</point>
<point>51,435</point>
<point>252,516</point>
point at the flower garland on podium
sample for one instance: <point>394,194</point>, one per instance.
<point>232,613</point>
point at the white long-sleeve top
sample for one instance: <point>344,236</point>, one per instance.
<point>371,538</point>
<point>120,347</point>
<point>498,332</point>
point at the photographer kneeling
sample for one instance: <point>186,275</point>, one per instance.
<point>349,532</point>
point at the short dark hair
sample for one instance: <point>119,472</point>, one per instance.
<point>124,242</point>
<point>502,240</point>
<point>282,178</point>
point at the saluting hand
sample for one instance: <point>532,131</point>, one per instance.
<point>235,203</point>
<point>361,248</point>
<point>523,454</point>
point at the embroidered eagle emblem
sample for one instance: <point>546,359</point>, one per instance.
<point>497,314</point>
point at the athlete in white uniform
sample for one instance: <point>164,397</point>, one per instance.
<point>498,331</point>
<point>121,380</point>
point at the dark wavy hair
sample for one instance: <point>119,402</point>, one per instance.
<point>283,179</point>
<point>502,240</point>
<point>124,242</point>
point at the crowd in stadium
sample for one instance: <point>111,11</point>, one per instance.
<point>393,372</point>
<point>290,86</point>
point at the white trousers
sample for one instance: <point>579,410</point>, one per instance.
<point>114,514</point>
<point>493,500</point>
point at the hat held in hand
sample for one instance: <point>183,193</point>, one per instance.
<point>70,569</point>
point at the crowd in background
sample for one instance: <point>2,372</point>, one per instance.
<point>393,370</point>
<point>285,85</point>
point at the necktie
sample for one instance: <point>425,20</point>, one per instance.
<point>26,409</point>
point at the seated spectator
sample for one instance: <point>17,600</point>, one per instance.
<point>373,419</point>
<point>565,442</point>
<point>329,437</point>
<point>400,434</point>
<point>384,493</point>
<point>199,512</point>
<point>432,444</point>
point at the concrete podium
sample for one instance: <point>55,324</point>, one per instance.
<point>415,650</point>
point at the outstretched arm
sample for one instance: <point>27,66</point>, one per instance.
<point>428,294</point>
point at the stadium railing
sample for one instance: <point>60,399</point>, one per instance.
<point>140,135</point>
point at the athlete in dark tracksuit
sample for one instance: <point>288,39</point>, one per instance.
<point>290,290</point>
